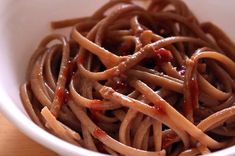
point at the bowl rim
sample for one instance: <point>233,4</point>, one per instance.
<point>39,135</point>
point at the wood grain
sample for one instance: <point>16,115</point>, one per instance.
<point>13,142</point>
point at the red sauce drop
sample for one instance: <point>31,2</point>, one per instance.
<point>99,133</point>
<point>60,92</point>
<point>168,140</point>
<point>194,91</point>
<point>160,108</point>
<point>95,104</point>
<point>62,95</point>
<point>162,56</point>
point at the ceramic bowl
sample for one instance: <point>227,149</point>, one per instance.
<point>22,26</point>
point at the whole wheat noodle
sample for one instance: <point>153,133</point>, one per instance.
<point>137,81</point>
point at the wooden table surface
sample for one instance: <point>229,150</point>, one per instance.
<point>14,143</point>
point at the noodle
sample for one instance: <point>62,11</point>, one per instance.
<point>137,81</point>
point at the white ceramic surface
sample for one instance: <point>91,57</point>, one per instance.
<point>24,23</point>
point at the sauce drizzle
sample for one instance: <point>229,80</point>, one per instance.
<point>99,133</point>
<point>162,55</point>
<point>160,108</point>
<point>62,94</point>
<point>95,104</point>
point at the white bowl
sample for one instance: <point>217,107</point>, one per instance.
<point>24,23</point>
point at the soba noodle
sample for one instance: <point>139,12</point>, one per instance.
<point>136,81</point>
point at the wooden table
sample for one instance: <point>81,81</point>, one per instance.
<point>14,143</point>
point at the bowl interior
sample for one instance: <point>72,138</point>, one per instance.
<point>22,26</point>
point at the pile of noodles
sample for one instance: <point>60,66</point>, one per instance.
<point>135,81</point>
